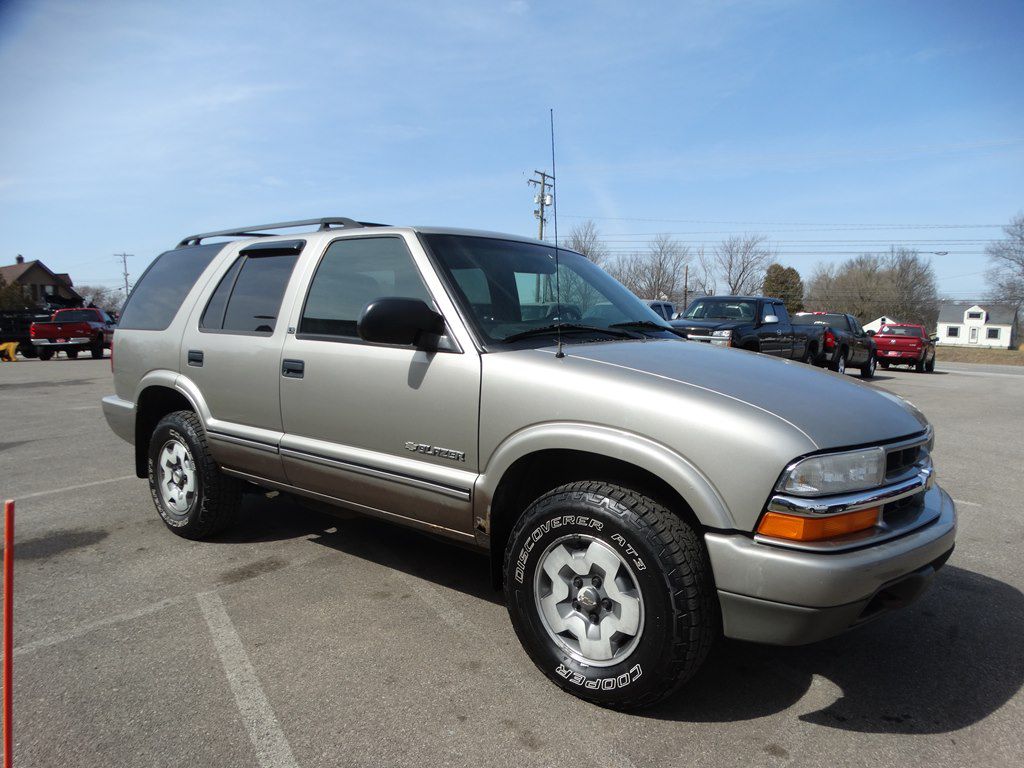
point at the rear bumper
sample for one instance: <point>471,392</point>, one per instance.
<point>900,356</point>
<point>75,341</point>
<point>120,415</point>
<point>787,597</point>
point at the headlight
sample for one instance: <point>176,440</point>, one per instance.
<point>835,473</point>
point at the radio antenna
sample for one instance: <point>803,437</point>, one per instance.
<point>554,212</point>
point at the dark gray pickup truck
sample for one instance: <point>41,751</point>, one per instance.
<point>755,323</point>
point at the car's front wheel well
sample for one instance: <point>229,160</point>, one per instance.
<point>533,475</point>
<point>153,404</point>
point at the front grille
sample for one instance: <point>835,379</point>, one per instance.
<point>898,462</point>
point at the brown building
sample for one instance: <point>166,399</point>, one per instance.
<point>45,288</point>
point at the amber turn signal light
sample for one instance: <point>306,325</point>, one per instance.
<point>798,528</point>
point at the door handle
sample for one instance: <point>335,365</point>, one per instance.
<point>293,369</point>
<point>195,358</point>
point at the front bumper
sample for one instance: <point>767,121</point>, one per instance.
<point>783,596</point>
<point>120,415</point>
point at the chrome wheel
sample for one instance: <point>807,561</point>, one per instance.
<point>177,477</point>
<point>589,600</point>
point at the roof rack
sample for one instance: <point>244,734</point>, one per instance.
<point>259,230</point>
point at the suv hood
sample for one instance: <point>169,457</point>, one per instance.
<point>833,411</point>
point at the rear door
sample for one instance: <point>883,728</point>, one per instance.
<point>231,353</point>
<point>388,429</point>
<point>860,345</point>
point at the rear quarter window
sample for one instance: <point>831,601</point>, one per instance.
<point>157,296</point>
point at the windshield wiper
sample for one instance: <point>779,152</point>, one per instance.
<point>642,324</point>
<point>567,328</point>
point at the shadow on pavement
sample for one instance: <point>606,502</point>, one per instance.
<point>939,665</point>
<point>942,664</point>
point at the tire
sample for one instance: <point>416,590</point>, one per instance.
<point>810,355</point>
<point>929,367</point>
<point>192,496</point>
<point>663,598</point>
<point>96,350</point>
<point>867,371</point>
<point>28,351</point>
<point>919,366</point>
<point>45,354</point>
<point>884,364</point>
<point>71,353</point>
<point>838,364</point>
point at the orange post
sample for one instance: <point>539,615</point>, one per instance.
<point>8,627</point>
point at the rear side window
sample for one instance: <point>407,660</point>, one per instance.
<point>157,296</point>
<point>248,298</point>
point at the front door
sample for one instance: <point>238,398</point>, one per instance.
<point>973,338</point>
<point>384,428</point>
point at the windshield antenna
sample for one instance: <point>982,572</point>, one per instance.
<point>554,213</point>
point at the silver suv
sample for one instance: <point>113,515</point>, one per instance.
<point>639,495</point>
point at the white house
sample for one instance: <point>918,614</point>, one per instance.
<point>876,324</point>
<point>962,324</point>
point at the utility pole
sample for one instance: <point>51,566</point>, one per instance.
<point>542,199</point>
<point>124,266</point>
<point>686,287</point>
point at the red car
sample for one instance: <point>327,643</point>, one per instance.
<point>905,344</point>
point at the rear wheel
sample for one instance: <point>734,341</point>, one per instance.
<point>839,363</point>
<point>45,354</point>
<point>884,364</point>
<point>919,366</point>
<point>71,353</point>
<point>610,594</point>
<point>193,497</point>
<point>930,366</point>
<point>28,351</point>
<point>96,350</point>
<point>867,371</point>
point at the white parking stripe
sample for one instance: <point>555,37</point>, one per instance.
<point>272,748</point>
<point>966,503</point>
<point>37,494</point>
<point>82,629</point>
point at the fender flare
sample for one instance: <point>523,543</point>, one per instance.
<point>670,466</point>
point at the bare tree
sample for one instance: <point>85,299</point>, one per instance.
<point>702,275</point>
<point>584,238</point>
<point>107,299</point>
<point>900,284</point>
<point>656,274</point>
<point>741,261</point>
<point>1006,264</point>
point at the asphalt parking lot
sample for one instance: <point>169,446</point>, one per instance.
<point>306,640</point>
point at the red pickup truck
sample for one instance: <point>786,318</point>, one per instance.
<point>72,331</point>
<point>905,344</point>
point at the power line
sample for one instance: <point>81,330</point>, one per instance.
<point>791,223</point>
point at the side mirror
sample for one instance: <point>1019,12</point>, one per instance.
<point>769,319</point>
<point>935,339</point>
<point>871,333</point>
<point>399,321</point>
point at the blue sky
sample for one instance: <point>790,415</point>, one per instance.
<point>828,126</point>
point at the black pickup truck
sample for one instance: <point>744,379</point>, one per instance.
<point>844,344</point>
<point>756,323</point>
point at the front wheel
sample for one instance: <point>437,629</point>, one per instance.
<point>194,499</point>
<point>45,354</point>
<point>867,371</point>
<point>610,593</point>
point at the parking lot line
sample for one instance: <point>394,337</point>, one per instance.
<point>269,741</point>
<point>37,494</point>
<point>83,629</point>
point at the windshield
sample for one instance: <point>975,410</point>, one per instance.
<point>510,287</point>
<point>721,309</point>
<point>901,330</point>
